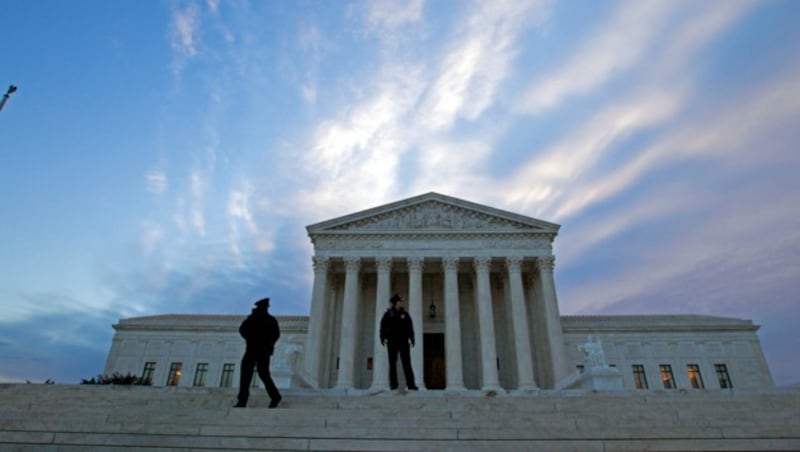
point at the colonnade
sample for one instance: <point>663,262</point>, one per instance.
<point>545,311</point>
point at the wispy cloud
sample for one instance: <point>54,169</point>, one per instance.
<point>542,185</point>
<point>616,47</point>
<point>386,15</point>
<point>243,208</point>
<point>151,235</point>
<point>727,219</point>
<point>184,36</point>
<point>478,60</point>
<point>156,181</point>
<point>558,180</point>
<point>198,187</point>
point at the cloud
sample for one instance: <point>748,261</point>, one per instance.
<point>198,187</point>
<point>397,121</point>
<point>391,14</point>
<point>241,212</point>
<point>478,61</point>
<point>184,36</point>
<point>151,236</point>
<point>213,6</point>
<point>735,124</point>
<point>55,356</point>
<point>727,216</point>
<point>311,45</point>
<point>544,182</point>
<point>617,46</point>
<point>156,182</point>
<point>559,181</point>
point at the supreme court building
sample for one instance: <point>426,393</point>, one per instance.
<point>480,290</point>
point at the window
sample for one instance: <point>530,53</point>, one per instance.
<point>227,375</point>
<point>666,376</point>
<point>200,374</point>
<point>723,377</point>
<point>694,376</point>
<point>174,374</point>
<point>147,373</point>
<point>579,367</point>
<point>639,377</point>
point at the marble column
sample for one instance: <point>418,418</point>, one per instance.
<point>452,340</point>
<point>415,309</point>
<point>522,342</point>
<point>347,340</point>
<point>486,324</point>
<point>380,360</point>
<point>539,348</point>
<point>552,318</point>
<point>312,350</point>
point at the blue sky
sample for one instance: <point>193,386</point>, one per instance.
<point>165,157</point>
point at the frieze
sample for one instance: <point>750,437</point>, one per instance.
<point>536,241</point>
<point>434,215</point>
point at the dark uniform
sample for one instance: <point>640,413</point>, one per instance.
<point>260,330</point>
<point>397,332</point>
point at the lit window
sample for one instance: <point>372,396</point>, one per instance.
<point>694,376</point>
<point>149,369</point>
<point>200,374</point>
<point>722,376</point>
<point>174,374</point>
<point>227,375</point>
<point>639,377</point>
<point>666,376</point>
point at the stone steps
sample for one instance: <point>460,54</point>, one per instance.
<point>80,417</point>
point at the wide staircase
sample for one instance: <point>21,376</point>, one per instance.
<point>89,417</point>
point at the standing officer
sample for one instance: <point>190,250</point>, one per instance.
<point>260,330</point>
<point>397,332</point>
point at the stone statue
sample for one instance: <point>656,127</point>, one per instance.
<point>593,355</point>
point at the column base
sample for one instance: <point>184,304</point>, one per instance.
<point>377,389</point>
<point>454,389</point>
<point>527,388</point>
<point>343,388</point>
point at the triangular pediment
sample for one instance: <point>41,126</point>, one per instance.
<point>433,212</point>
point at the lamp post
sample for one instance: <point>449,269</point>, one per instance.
<point>11,90</point>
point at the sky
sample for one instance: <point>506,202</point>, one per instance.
<point>164,157</point>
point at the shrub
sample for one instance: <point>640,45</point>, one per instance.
<point>116,379</point>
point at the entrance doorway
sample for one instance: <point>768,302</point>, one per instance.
<point>434,364</point>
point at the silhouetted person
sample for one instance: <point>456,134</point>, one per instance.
<point>260,330</point>
<point>397,333</point>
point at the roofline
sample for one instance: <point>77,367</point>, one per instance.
<point>315,228</point>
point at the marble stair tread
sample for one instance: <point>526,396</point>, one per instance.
<point>79,417</point>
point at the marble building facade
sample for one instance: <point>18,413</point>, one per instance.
<point>481,293</point>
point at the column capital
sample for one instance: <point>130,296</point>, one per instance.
<point>384,264</point>
<point>415,263</point>
<point>320,264</point>
<point>546,263</point>
<point>352,263</point>
<point>481,263</point>
<point>514,263</point>
<point>450,263</point>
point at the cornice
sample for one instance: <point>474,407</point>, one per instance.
<point>204,323</point>
<point>655,324</point>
